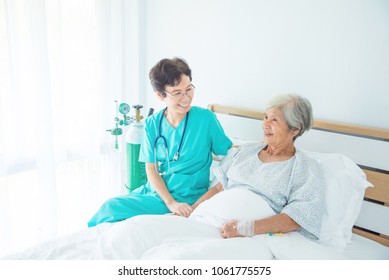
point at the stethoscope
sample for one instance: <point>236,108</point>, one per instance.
<point>162,139</point>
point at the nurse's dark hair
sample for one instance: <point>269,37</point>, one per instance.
<point>168,72</point>
<point>297,111</point>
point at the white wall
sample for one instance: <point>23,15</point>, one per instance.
<point>242,52</point>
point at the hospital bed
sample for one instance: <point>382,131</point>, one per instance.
<point>355,225</point>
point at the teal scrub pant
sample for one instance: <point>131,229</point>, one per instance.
<point>127,206</point>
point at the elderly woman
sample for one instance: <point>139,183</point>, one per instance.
<point>290,182</point>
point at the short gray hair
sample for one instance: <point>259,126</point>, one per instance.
<point>297,111</point>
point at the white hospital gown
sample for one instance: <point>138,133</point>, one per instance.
<point>294,187</point>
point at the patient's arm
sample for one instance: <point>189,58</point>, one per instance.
<point>210,193</point>
<point>280,223</point>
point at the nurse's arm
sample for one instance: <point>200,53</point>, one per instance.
<point>178,208</point>
<point>210,193</point>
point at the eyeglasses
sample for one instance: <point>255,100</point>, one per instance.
<point>189,92</point>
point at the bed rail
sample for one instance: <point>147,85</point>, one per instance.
<point>378,177</point>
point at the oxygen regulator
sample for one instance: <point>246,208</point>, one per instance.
<point>136,173</point>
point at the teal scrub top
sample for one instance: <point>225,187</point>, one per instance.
<point>187,179</point>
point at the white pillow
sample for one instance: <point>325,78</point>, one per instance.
<point>345,188</point>
<point>232,204</point>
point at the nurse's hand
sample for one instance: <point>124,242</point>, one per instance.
<point>180,208</point>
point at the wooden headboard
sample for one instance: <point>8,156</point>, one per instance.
<point>377,197</point>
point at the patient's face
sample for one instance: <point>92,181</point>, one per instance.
<point>275,129</point>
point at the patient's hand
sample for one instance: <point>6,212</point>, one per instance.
<point>180,208</point>
<point>230,229</point>
<point>239,228</point>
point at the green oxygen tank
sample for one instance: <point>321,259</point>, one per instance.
<point>136,171</point>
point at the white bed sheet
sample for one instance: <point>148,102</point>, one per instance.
<point>361,248</point>
<point>171,237</point>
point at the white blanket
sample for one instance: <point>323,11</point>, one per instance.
<point>197,237</point>
<point>172,237</point>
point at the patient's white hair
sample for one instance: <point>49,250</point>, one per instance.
<point>297,111</point>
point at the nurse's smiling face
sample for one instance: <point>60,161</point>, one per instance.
<point>178,98</point>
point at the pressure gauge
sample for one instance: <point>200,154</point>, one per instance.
<point>124,108</point>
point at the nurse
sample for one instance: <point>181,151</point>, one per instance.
<point>177,149</point>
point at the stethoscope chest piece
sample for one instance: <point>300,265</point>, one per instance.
<point>158,142</point>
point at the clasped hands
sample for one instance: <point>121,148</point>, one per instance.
<point>180,208</point>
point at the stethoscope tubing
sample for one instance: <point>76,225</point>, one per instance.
<point>160,136</point>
